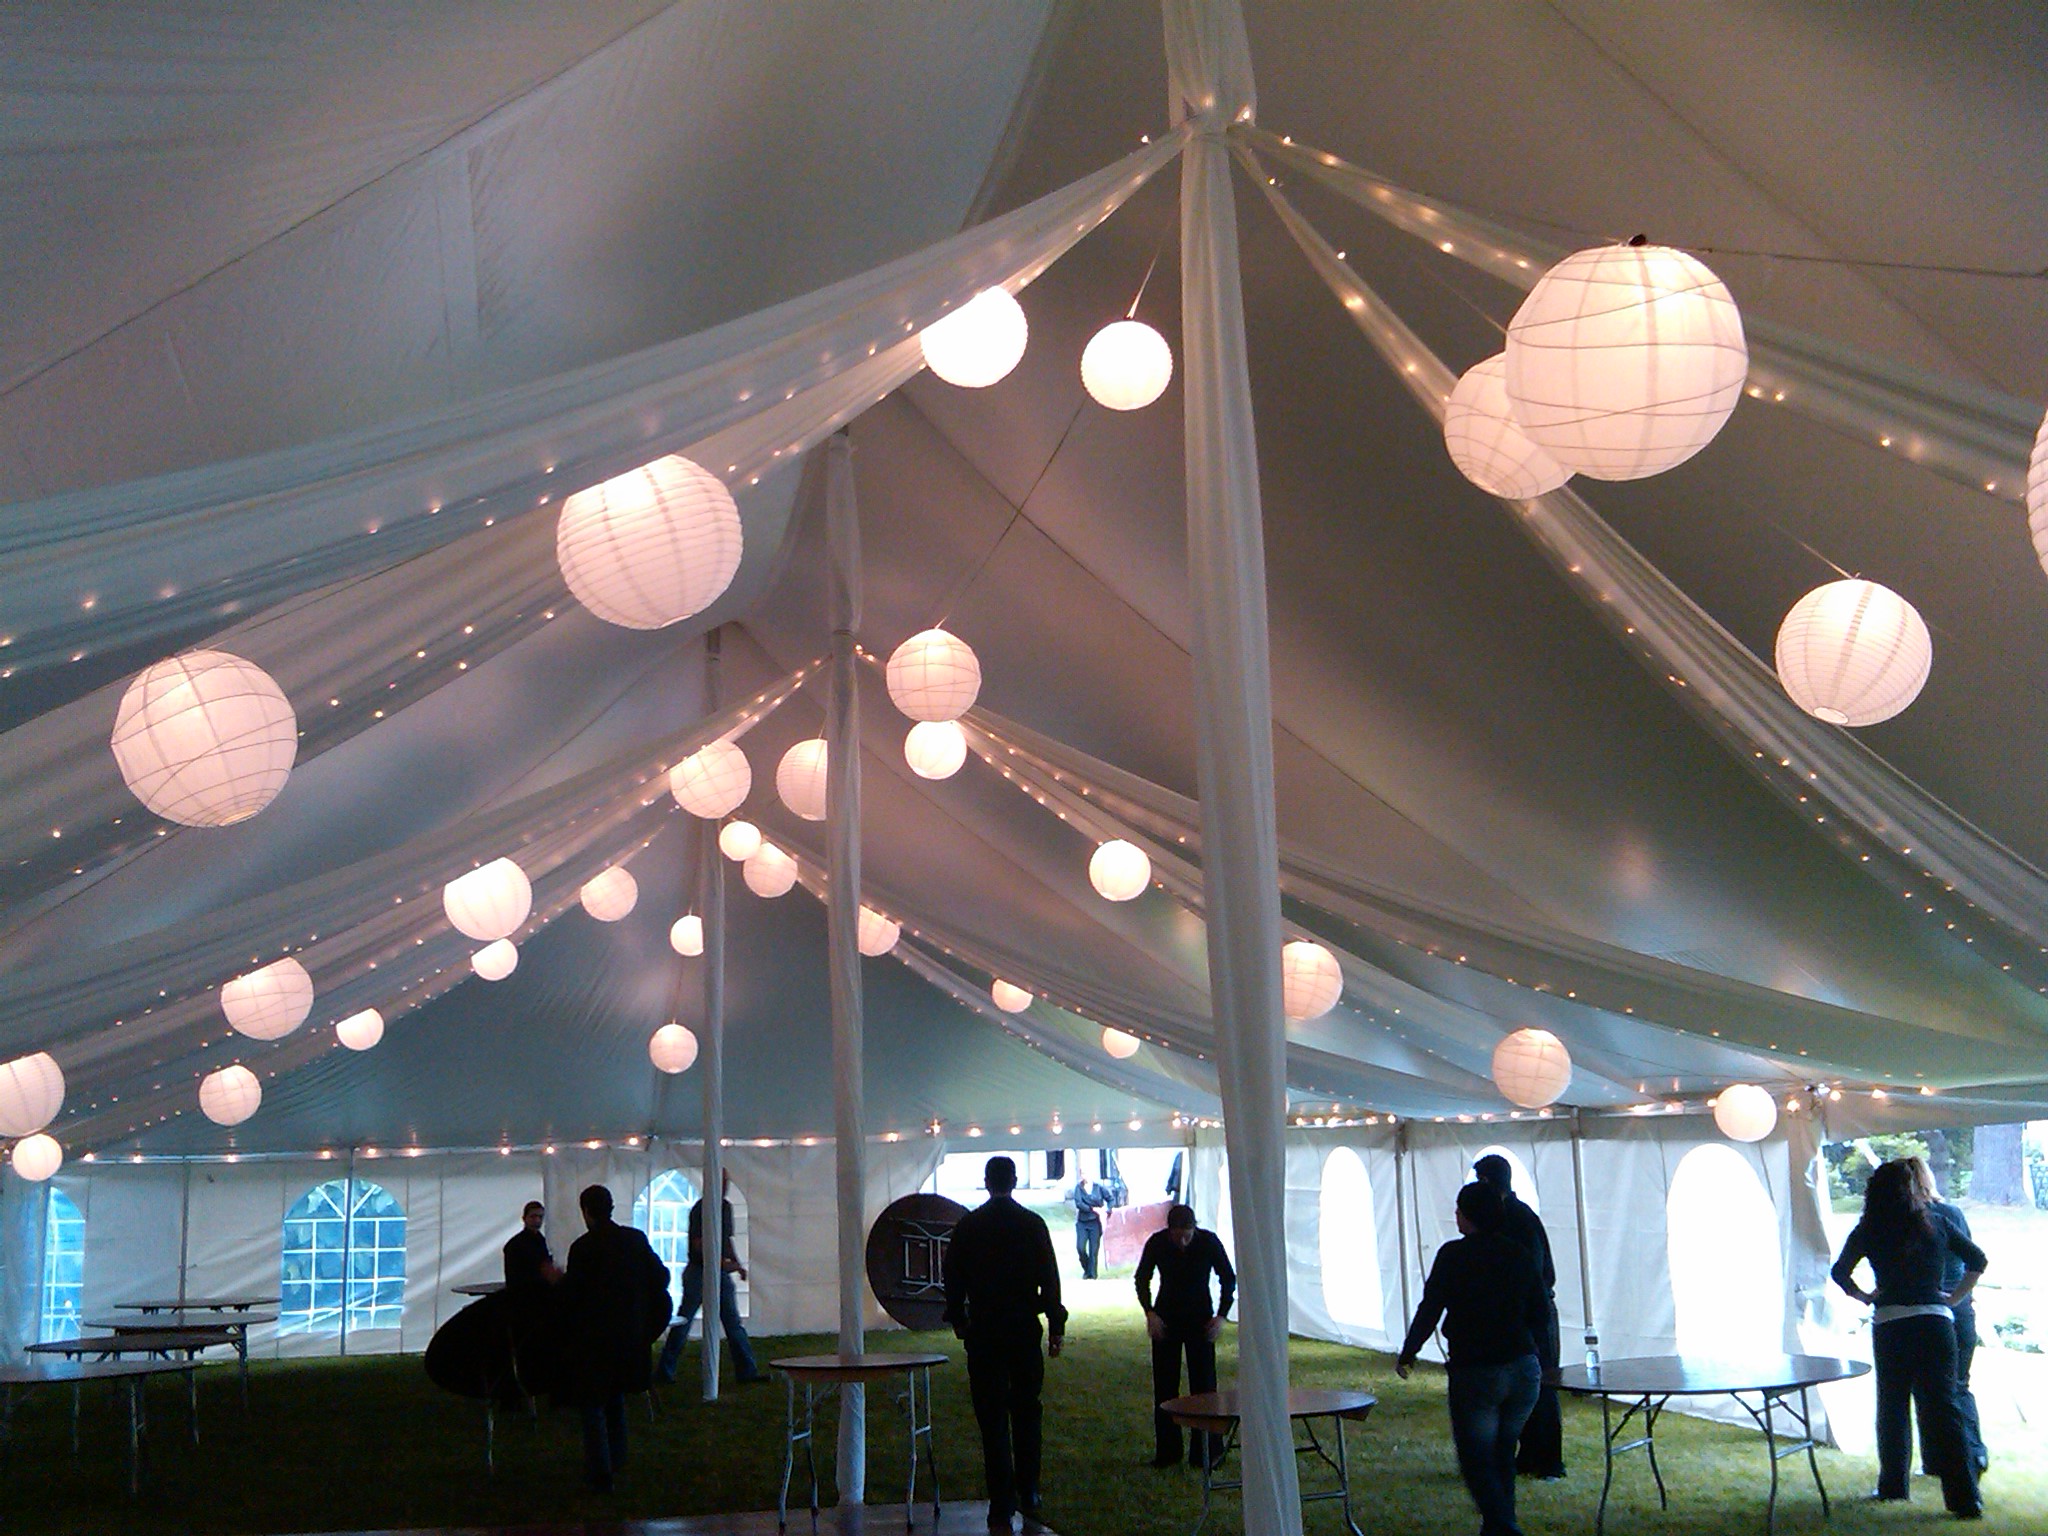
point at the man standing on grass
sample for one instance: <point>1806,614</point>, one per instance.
<point>1183,1322</point>
<point>1541,1453</point>
<point>1091,1200</point>
<point>615,1295</point>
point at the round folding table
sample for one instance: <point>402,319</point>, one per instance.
<point>1219,1414</point>
<point>821,1376</point>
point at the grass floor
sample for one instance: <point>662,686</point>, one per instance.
<point>371,1443</point>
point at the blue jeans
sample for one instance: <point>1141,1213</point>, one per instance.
<point>728,1316</point>
<point>604,1439</point>
<point>1489,1405</point>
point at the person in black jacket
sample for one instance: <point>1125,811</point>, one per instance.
<point>1966,1324</point>
<point>1091,1200</point>
<point>728,1298</point>
<point>1000,1275</point>
<point>1182,1321</point>
<point>615,1300</point>
<point>528,1262</point>
<point>529,1302</point>
<point>1486,1288</point>
<point>1541,1452</point>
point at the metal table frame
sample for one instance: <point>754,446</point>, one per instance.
<point>133,1380</point>
<point>823,1376</point>
<point>1225,1441</point>
<point>229,1330</point>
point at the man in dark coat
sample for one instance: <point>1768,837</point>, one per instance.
<point>529,1301</point>
<point>615,1297</point>
<point>1091,1201</point>
<point>1183,1321</point>
<point>1541,1452</point>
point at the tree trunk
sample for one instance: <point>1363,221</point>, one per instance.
<point>2000,1170</point>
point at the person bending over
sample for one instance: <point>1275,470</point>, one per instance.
<point>728,1296</point>
<point>1182,1321</point>
<point>615,1296</point>
<point>1541,1452</point>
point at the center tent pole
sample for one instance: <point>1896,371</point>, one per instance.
<point>1585,1250</point>
<point>711,898</point>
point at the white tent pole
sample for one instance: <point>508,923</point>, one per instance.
<point>1401,1218</point>
<point>348,1239</point>
<point>184,1226</point>
<point>1585,1251</point>
<point>711,888</point>
<point>842,909</point>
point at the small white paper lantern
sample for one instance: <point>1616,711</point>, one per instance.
<point>712,780</point>
<point>1119,870</point>
<point>1531,1068</point>
<point>686,935</point>
<point>1745,1112</point>
<point>205,739</point>
<point>31,1093</point>
<point>1119,1044</point>
<point>1625,360</point>
<point>1853,653</point>
<point>737,840</point>
<point>877,934</point>
<point>360,1031</point>
<point>652,546</point>
<point>496,960</point>
<point>935,749</point>
<point>489,903</point>
<point>934,676</point>
<point>1485,442</point>
<point>673,1049</point>
<point>1126,365</point>
<point>36,1157</point>
<point>610,894</point>
<point>1310,980</point>
<point>770,872</point>
<point>229,1096</point>
<point>800,779</point>
<point>270,1002</point>
<point>1008,998</point>
<point>978,343</point>
<point>2037,493</point>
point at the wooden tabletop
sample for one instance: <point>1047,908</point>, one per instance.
<point>1682,1375</point>
<point>196,1322</point>
<point>480,1288</point>
<point>43,1373</point>
<point>199,1304</point>
<point>855,1367</point>
<point>134,1343</point>
<point>1219,1410</point>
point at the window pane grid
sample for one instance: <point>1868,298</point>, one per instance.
<point>63,1269</point>
<point>321,1242</point>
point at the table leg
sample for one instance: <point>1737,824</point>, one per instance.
<point>192,1396</point>
<point>1344,1478</point>
<point>910,1488</point>
<point>1607,1478</point>
<point>788,1451</point>
<point>1770,1449</point>
<point>134,1436</point>
<point>1813,1461</point>
<point>242,1363</point>
<point>76,1389</point>
<point>931,1446</point>
<point>1650,1444</point>
<point>811,1443</point>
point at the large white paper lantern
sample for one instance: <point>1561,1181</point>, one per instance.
<point>1531,1068</point>
<point>360,1031</point>
<point>737,840</point>
<point>770,872</point>
<point>31,1093</point>
<point>934,675</point>
<point>229,1096</point>
<point>270,1002</point>
<point>1488,446</point>
<point>651,546</point>
<point>1853,653</point>
<point>935,749</point>
<point>490,902</point>
<point>673,1049</point>
<point>1745,1112</point>
<point>1126,365</point>
<point>496,960</point>
<point>1625,360</point>
<point>205,739</point>
<point>686,935</point>
<point>1119,870</point>
<point>1008,998</point>
<point>979,342</point>
<point>36,1157</point>
<point>1310,980</point>
<point>2037,493</point>
<point>610,894</point>
<point>1119,1044</point>
<point>800,779</point>
<point>878,935</point>
<point>712,780</point>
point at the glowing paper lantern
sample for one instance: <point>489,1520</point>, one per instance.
<point>934,676</point>
<point>496,960</point>
<point>935,749</point>
<point>270,1002</point>
<point>1531,1068</point>
<point>2037,493</point>
<point>1119,1044</point>
<point>1119,870</point>
<point>489,903</point>
<point>31,1093</point>
<point>1625,360</point>
<point>652,546</point>
<point>712,780</point>
<point>229,1096</point>
<point>1008,998</point>
<point>979,342</point>
<point>770,872</point>
<point>205,739</point>
<point>1126,365</point>
<point>610,895</point>
<point>1745,1112</point>
<point>37,1157</point>
<point>686,935</point>
<point>800,779</point>
<point>360,1031</point>
<point>737,840</point>
<point>877,934</point>
<point>673,1048</point>
<point>1485,442</point>
<point>1310,981</point>
<point>1853,653</point>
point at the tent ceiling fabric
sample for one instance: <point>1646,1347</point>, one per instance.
<point>1461,745</point>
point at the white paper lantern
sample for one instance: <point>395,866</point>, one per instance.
<point>737,840</point>
<point>1126,365</point>
<point>205,739</point>
<point>651,546</point>
<point>686,935</point>
<point>1008,998</point>
<point>770,872</point>
<point>712,780</point>
<point>489,903</point>
<point>1853,653</point>
<point>270,1002</point>
<point>673,1048</point>
<point>878,935</point>
<point>978,343</point>
<point>1310,980</point>
<point>934,676</point>
<point>1625,360</point>
<point>31,1093</point>
<point>2037,493</point>
<point>800,779</point>
<point>1119,870</point>
<point>611,894</point>
<point>496,960</point>
<point>1745,1112</point>
<point>1119,1044</point>
<point>935,749</point>
<point>360,1031</point>
<point>229,1096</point>
<point>1531,1068</point>
<point>1485,442</point>
<point>37,1157</point>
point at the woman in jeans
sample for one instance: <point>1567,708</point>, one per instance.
<point>1913,1340</point>
<point>1485,1288</point>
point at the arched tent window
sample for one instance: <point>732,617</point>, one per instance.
<point>663,1213</point>
<point>1350,1243</point>
<point>1727,1267</point>
<point>343,1241</point>
<point>63,1268</point>
<point>1520,1180</point>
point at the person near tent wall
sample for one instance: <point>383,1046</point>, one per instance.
<point>1965,1311</point>
<point>1091,1200</point>
<point>615,1301</point>
<point>531,1275</point>
<point>729,1269</point>
<point>1540,1452</point>
<point>1183,1321</point>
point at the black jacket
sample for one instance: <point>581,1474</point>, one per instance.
<point>1001,1273</point>
<point>526,1254</point>
<point>1910,1273</point>
<point>1487,1290</point>
<point>1184,1277</point>
<point>616,1304</point>
<point>1519,1222</point>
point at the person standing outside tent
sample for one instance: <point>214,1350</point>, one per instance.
<point>1000,1275</point>
<point>1091,1200</point>
<point>615,1300</point>
<point>1182,1321</point>
<point>729,1268</point>
<point>1966,1324</point>
<point>1541,1452</point>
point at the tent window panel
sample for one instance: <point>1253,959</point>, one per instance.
<point>663,1213</point>
<point>1352,1289</point>
<point>63,1269</point>
<point>1727,1264</point>
<point>335,1256</point>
